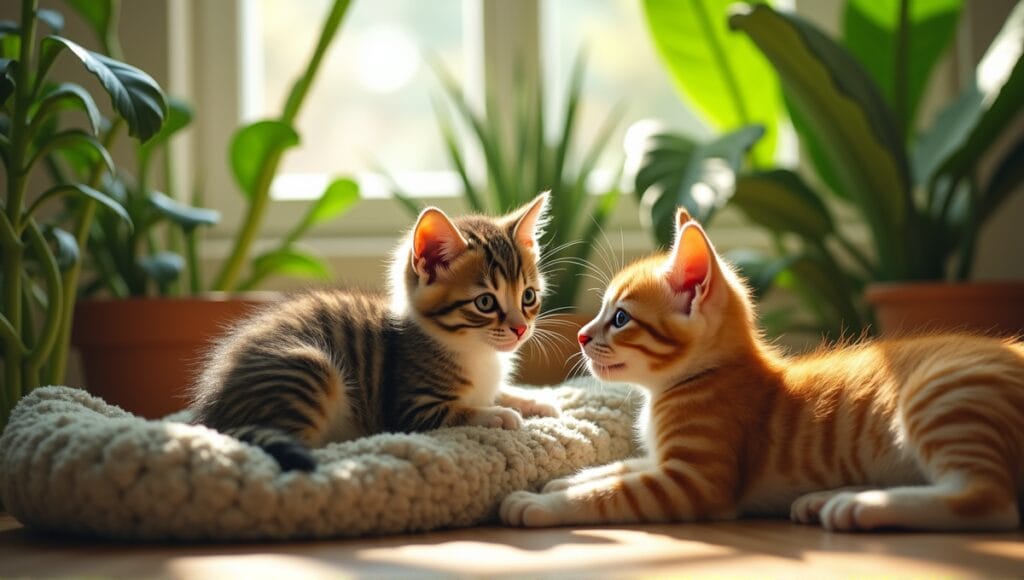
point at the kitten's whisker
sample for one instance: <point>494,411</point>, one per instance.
<point>589,269</point>
<point>556,310</point>
<point>605,251</point>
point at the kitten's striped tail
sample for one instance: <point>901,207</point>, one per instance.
<point>289,452</point>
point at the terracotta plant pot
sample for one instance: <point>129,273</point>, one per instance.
<point>994,308</point>
<point>552,363</point>
<point>142,353</point>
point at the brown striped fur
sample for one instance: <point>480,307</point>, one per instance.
<point>919,433</point>
<point>333,365</point>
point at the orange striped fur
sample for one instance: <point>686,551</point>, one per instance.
<point>916,433</point>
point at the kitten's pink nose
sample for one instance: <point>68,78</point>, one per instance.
<point>584,339</point>
<point>519,330</point>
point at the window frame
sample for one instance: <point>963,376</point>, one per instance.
<point>510,34</point>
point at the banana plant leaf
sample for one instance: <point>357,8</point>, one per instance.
<point>721,73</point>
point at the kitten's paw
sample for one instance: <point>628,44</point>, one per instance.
<point>807,508</point>
<point>557,485</point>
<point>498,417</point>
<point>852,511</point>
<point>528,510</point>
<point>530,408</point>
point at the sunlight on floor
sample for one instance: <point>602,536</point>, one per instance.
<point>998,548</point>
<point>545,550</point>
<point>253,567</point>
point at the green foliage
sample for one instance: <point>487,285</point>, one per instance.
<point>721,73</point>
<point>161,255</point>
<point>674,166</point>
<point>899,43</point>
<point>255,154</point>
<point>854,106</point>
<point>847,116</point>
<point>255,150</point>
<point>522,164</point>
<point>39,280</point>
<point>132,238</point>
<point>923,214</point>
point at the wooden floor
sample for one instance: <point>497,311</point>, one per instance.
<point>749,548</point>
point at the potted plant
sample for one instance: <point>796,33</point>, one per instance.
<point>142,339</point>
<point>41,254</point>
<point>922,197</point>
<point>518,167</point>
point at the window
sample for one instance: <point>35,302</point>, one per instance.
<point>622,66</point>
<point>370,106</point>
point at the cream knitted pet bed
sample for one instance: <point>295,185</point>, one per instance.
<point>70,462</point>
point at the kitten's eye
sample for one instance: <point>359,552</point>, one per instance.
<point>486,302</point>
<point>529,297</point>
<point>620,319</point>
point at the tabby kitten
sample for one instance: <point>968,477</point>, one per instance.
<point>334,365</point>
<point>922,433</point>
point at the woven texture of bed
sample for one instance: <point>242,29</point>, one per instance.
<point>69,462</point>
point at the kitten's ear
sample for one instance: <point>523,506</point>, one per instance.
<point>436,242</point>
<point>529,222</point>
<point>691,262</point>
<point>682,218</point>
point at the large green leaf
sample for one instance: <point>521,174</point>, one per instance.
<point>720,72</point>
<point>900,60</point>
<point>699,179</point>
<point>7,67</point>
<point>255,148</point>
<point>1000,79</point>
<point>179,115</point>
<point>780,201</point>
<point>133,93</point>
<point>950,128</point>
<point>162,267</point>
<point>67,253</point>
<point>186,216</point>
<point>286,261</point>
<point>815,151</point>
<point>339,196</point>
<point>664,161</point>
<point>53,19</point>
<point>843,109</point>
<point>83,190</point>
<point>69,94</point>
<point>88,147</point>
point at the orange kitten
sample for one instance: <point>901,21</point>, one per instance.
<point>923,433</point>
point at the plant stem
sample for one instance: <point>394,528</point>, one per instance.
<point>51,325</point>
<point>14,248</point>
<point>111,42</point>
<point>302,85</point>
<point>228,278</point>
<point>59,358</point>
<point>899,82</point>
<point>175,237</point>
<point>232,269</point>
<point>969,236</point>
<point>192,255</point>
